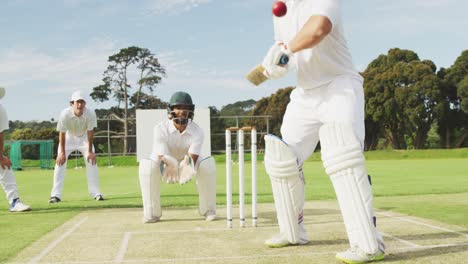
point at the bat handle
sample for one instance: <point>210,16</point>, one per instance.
<point>284,59</point>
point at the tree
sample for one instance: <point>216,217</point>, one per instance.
<point>275,106</point>
<point>116,83</point>
<point>453,117</point>
<point>217,126</point>
<point>239,108</point>
<point>402,95</point>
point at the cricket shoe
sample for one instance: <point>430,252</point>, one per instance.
<point>280,240</point>
<point>355,255</point>
<point>54,199</point>
<point>18,206</point>
<point>150,220</point>
<point>99,197</point>
<point>210,215</point>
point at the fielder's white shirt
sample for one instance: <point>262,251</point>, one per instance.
<point>76,125</point>
<point>329,59</point>
<point>168,140</point>
<point>3,119</point>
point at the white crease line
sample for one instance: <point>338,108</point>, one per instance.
<point>424,224</point>
<point>123,248</point>
<point>406,242</point>
<point>56,242</point>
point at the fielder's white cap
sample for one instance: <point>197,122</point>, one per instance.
<point>77,96</point>
<point>2,92</point>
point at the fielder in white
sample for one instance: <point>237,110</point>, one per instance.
<point>76,131</point>
<point>7,178</point>
<point>176,158</point>
<point>327,106</point>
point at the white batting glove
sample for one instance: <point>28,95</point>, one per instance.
<point>271,62</point>
<point>186,170</point>
<point>171,169</point>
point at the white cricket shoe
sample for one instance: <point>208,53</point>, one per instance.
<point>19,206</point>
<point>210,215</point>
<point>357,256</point>
<point>280,240</point>
<point>150,220</point>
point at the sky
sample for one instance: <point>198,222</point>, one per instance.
<point>50,48</point>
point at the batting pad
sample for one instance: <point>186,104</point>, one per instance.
<point>206,185</point>
<point>344,162</point>
<point>288,189</point>
<point>150,180</point>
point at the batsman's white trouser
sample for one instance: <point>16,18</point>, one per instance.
<point>8,182</point>
<point>73,143</point>
<point>334,114</point>
<point>206,185</point>
<point>149,174</point>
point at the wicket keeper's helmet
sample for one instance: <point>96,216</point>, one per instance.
<point>181,99</point>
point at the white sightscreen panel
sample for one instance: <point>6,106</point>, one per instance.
<point>147,119</point>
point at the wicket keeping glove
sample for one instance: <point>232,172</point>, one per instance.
<point>186,170</point>
<point>171,169</point>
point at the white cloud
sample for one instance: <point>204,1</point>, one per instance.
<point>173,7</point>
<point>62,72</point>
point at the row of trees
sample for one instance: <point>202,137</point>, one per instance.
<point>409,103</point>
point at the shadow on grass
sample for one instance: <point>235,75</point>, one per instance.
<point>426,253</point>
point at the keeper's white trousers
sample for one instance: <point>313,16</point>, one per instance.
<point>341,101</point>
<point>8,182</point>
<point>73,143</point>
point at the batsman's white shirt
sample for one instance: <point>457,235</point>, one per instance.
<point>7,179</point>
<point>168,140</point>
<point>329,87</point>
<point>320,65</point>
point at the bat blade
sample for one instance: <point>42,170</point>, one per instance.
<point>257,76</point>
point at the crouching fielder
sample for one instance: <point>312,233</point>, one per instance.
<point>326,105</point>
<point>176,158</point>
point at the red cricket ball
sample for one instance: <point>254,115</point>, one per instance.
<point>279,8</point>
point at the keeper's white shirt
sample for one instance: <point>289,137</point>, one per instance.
<point>76,125</point>
<point>3,119</point>
<point>167,140</point>
<point>329,59</point>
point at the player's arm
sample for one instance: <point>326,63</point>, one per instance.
<point>311,34</point>
<point>61,157</point>
<point>91,155</point>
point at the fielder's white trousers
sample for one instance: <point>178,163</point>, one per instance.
<point>8,182</point>
<point>73,143</point>
<point>341,101</point>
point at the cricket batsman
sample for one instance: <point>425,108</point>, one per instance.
<point>327,106</point>
<point>176,158</point>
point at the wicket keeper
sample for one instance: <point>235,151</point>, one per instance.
<point>176,158</point>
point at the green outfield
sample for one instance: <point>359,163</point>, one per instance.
<point>432,188</point>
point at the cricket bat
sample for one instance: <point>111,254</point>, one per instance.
<point>257,75</point>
